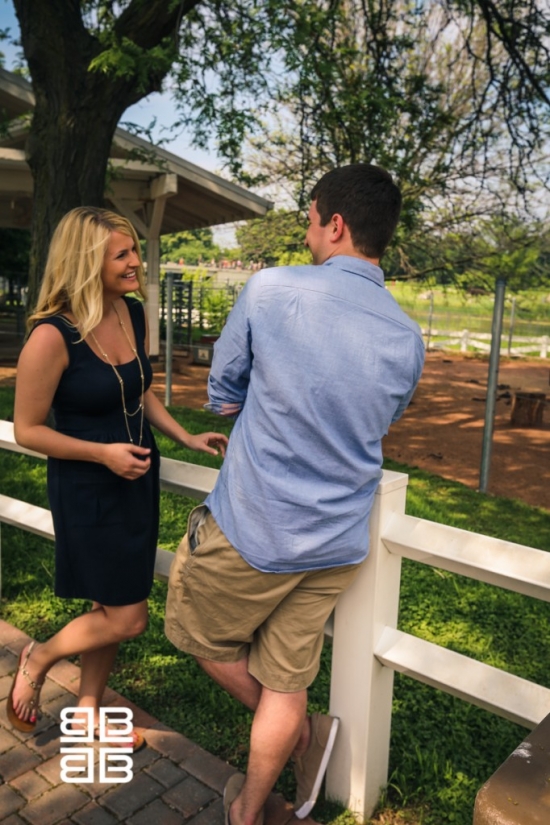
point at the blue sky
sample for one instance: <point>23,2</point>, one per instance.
<point>159,106</point>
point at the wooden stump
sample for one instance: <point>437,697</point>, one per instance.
<point>527,409</point>
<point>517,793</point>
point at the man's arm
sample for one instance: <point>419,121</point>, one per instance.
<point>232,361</point>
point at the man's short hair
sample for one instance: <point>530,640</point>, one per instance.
<point>367,199</point>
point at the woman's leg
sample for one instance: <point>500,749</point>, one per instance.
<point>95,668</point>
<point>100,629</point>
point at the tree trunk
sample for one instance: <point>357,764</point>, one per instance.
<point>68,153</point>
<point>77,109</point>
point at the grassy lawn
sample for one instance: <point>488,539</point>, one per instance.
<point>455,309</point>
<point>442,749</point>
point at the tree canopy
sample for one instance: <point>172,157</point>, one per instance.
<point>275,240</point>
<point>473,255</point>
<point>450,95</point>
<point>195,246</point>
<point>435,92</point>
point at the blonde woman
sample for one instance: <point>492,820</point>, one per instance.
<point>86,358</point>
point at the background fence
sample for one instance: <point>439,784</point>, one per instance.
<point>466,341</point>
<point>198,308</point>
<point>456,320</point>
<point>13,300</point>
<point>202,299</point>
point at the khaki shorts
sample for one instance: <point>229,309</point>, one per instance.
<point>222,609</point>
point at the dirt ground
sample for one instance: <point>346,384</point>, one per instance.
<point>442,429</point>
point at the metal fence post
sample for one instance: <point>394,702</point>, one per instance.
<point>168,350</point>
<point>362,688</point>
<point>492,380</point>
<point>189,313</point>
<point>430,320</point>
<point>512,320</point>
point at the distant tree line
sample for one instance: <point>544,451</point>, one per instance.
<point>469,257</point>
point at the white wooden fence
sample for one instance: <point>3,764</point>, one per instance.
<point>466,339</point>
<point>367,647</point>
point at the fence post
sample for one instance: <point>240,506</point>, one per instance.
<point>169,347</point>
<point>464,340</point>
<point>189,313</point>
<point>544,342</point>
<point>492,379</point>
<point>511,331</point>
<point>430,320</point>
<point>361,688</point>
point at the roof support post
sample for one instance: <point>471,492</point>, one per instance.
<point>162,187</point>
<point>153,295</point>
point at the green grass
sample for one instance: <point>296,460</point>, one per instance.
<point>442,749</point>
<point>455,310</point>
<point>532,303</point>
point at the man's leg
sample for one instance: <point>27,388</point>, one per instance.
<point>247,630</point>
<point>279,722</point>
<point>236,680</point>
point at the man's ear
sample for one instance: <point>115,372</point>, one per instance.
<point>337,228</point>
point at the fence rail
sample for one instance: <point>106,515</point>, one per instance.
<point>367,646</point>
<point>466,339</point>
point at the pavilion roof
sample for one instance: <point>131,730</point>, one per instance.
<point>194,197</point>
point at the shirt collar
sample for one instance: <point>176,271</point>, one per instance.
<point>358,266</point>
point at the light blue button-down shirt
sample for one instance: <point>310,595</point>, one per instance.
<point>319,360</point>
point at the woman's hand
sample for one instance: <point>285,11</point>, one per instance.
<point>159,417</point>
<point>212,443</point>
<point>127,460</point>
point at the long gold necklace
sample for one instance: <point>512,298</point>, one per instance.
<point>141,407</point>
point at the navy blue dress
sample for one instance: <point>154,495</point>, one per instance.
<point>106,527</point>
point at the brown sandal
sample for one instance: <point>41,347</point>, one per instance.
<point>21,724</point>
<point>138,741</point>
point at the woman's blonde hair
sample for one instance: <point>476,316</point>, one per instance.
<point>72,278</point>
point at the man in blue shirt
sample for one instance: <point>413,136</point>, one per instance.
<point>316,362</point>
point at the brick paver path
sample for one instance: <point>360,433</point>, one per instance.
<point>174,780</point>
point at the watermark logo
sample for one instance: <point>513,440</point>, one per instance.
<point>78,762</point>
